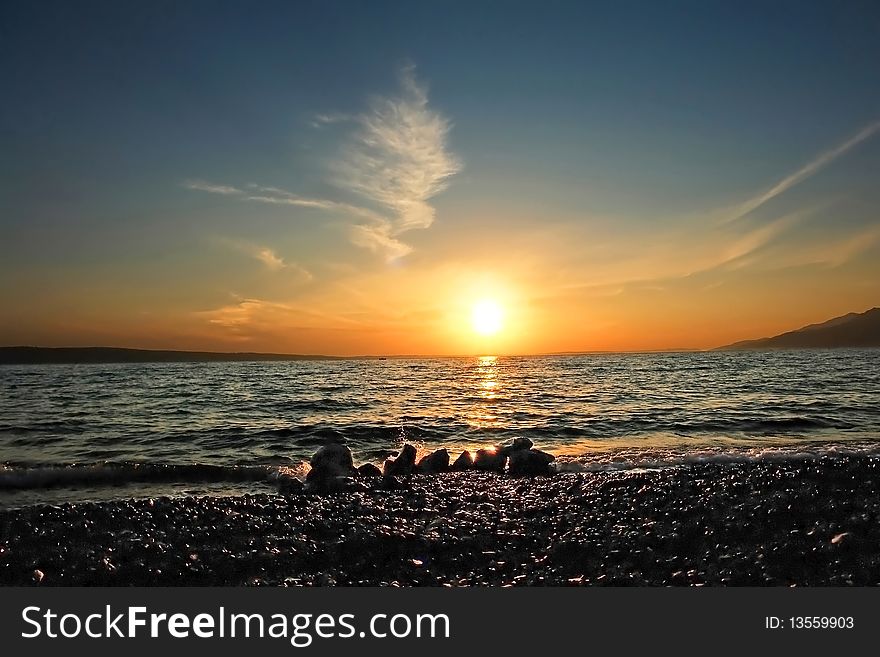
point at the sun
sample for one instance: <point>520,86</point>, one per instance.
<point>487,317</point>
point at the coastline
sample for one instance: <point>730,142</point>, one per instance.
<point>799,522</point>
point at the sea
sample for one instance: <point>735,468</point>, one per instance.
<point>92,432</point>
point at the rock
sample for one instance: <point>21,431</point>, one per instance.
<point>464,462</point>
<point>369,470</point>
<point>437,461</point>
<point>288,484</point>
<point>517,444</point>
<point>329,485</point>
<point>333,458</point>
<point>332,469</point>
<point>490,460</point>
<point>38,576</point>
<point>529,463</point>
<point>390,482</point>
<point>404,464</point>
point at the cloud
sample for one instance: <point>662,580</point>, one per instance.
<point>806,171</point>
<point>321,120</point>
<point>279,196</point>
<point>829,251</point>
<point>201,186</point>
<point>735,254</point>
<point>398,159</point>
<point>276,196</point>
<point>242,313</point>
<point>249,318</point>
<point>731,240</point>
<point>270,259</point>
<point>851,247</point>
<point>689,253</point>
<point>378,238</point>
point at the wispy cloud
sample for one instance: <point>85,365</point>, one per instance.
<point>399,159</point>
<point>379,238</point>
<point>321,120</point>
<point>806,171</point>
<point>277,196</point>
<point>853,246</point>
<point>201,186</point>
<point>246,318</point>
<point>241,313</point>
<point>735,254</point>
<point>830,250</point>
<point>729,239</point>
<point>269,257</point>
<point>693,252</point>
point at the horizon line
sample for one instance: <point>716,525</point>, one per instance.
<point>269,354</point>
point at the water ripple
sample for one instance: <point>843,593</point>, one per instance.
<point>252,414</point>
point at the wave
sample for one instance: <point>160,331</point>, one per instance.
<point>762,425</point>
<point>661,460</point>
<point>123,473</point>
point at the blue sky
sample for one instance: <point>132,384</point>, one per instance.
<point>617,126</point>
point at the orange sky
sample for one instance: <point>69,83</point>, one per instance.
<point>389,230</point>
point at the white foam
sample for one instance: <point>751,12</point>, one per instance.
<point>654,460</point>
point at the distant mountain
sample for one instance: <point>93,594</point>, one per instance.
<point>40,355</point>
<point>851,330</point>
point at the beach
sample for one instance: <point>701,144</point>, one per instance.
<point>794,521</point>
<point>741,468</point>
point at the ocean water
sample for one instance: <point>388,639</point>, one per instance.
<point>85,432</point>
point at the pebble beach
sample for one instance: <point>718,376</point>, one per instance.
<point>795,522</point>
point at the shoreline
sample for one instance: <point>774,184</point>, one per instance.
<point>808,522</point>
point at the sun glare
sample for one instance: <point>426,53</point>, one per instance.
<point>487,317</point>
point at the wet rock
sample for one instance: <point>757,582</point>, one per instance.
<point>437,461</point>
<point>330,485</point>
<point>390,482</point>
<point>529,463</point>
<point>464,462</point>
<point>758,523</point>
<point>404,464</point>
<point>369,470</point>
<point>333,459</point>
<point>516,445</point>
<point>289,485</point>
<point>331,466</point>
<point>490,460</point>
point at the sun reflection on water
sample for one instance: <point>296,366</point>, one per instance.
<point>488,387</point>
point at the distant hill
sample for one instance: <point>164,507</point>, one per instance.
<point>40,355</point>
<point>851,330</point>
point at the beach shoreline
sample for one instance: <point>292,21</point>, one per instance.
<point>798,522</point>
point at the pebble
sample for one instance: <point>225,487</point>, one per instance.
<point>698,525</point>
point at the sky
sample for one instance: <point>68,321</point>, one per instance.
<point>356,178</point>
